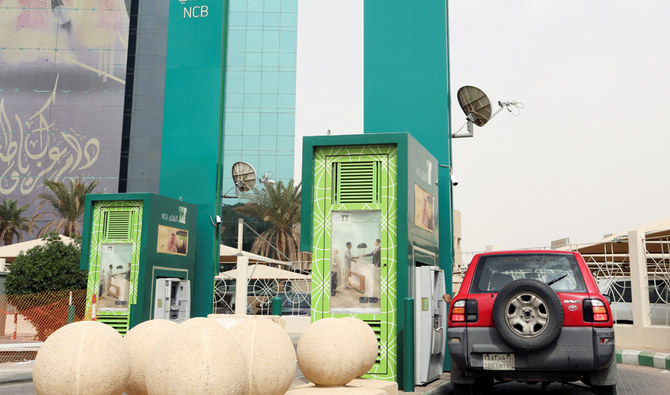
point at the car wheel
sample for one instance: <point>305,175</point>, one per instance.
<point>527,314</point>
<point>604,389</point>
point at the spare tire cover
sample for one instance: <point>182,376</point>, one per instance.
<point>527,314</point>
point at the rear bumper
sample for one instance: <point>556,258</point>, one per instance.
<point>576,351</point>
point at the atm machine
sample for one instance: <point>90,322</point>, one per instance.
<point>172,301</point>
<point>430,324</point>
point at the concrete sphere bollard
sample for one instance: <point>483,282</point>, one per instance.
<point>141,342</point>
<point>85,357</point>
<point>367,341</point>
<point>199,357</point>
<point>329,353</point>
<point>270,356</point>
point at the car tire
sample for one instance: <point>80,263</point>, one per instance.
<point>528,314</point>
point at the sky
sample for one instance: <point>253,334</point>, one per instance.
<point>588,155</point>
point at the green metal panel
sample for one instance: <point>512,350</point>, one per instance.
<point>133,211</point>
<point>192,127</point>
<point>379,162</point>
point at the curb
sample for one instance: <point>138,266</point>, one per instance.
<point>21,377</point>
<point>652,359</point>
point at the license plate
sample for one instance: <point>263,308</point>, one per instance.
<point>498,361</point>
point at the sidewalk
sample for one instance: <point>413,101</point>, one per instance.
<point>17,372</point>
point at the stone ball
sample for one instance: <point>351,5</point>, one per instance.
<point>86,357</point>
<point>270,356</point>
<point>367,341</point>
<point>329,352</point>
<point>141,342</point>
<point>198,357</point>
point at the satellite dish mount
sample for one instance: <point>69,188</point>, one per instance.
<point>244,179</point>
<point>477,108</point>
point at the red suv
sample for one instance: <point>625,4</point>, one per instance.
<point>530,316</point>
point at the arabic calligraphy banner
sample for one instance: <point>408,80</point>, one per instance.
<point>62,84</point>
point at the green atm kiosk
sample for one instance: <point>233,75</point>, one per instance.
<point>139,249</point>
<point>370,222</point>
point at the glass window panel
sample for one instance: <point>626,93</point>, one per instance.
<point>285,123</point>
<point>255,5</point>
<point>270,59</point>
<point>238,5</point>
<point>287,41</point>
<point>268,123</point>
<point>289,5</point>
<point>233,123</point>
<point>232,143</point>
<point>234,100</point>
<point>249,143</point>
<point>254,41</point>
<point>272,6</point>
<point>235,59</point>
<point>252,82</point>
<point>235,82</point>
<point>252,100</point>
<point>270,82</point>
<point>270,41</point>
<point>250,124</point>
<point>272,19</point>
<point>286,101</point>
<point>236,40</point>
<point>237,19</point>
<point>254,59</point>
<point>289,19</point>
<point>286,82</point>
<point>254,19</point>
<point>287,59</point>
<point>285,143</point>
<point>269,100</point>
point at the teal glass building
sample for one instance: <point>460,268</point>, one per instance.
<point>259,95</point>
<point>259,120</point>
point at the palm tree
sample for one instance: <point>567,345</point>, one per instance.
<point>12,221</point>
<point>278,205</point>
<point>68,204</point>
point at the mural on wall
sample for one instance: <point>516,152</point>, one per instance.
<point>62,84</point>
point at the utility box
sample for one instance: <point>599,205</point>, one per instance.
<point>369,216</point>
<point>430,324</point>
<point>129,242</point>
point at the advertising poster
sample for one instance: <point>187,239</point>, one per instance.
<point>424,209</point>
<point>172,241</point>
<point>62,86</point>
<point>114,282</point>
<point>355,267</point>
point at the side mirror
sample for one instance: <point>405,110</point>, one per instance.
<point>608,299</point>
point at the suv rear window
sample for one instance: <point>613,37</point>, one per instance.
<point>495,271</point>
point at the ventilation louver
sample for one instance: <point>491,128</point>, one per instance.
<point>356,182</point>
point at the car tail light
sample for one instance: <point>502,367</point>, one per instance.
<point>595,311</point>
<point>464,310</point>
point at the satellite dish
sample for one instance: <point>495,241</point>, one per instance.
<point>244,176</point>
<point>475,104</point>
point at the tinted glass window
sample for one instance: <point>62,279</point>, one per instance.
<point>559,270</point>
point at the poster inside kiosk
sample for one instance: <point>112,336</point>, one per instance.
<point>114,277</point>
<point>355,262</point>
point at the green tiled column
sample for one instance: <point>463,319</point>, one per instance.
<point>192,127</point>
<point>406,89</point>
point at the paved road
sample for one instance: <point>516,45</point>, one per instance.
<point>632,380</point>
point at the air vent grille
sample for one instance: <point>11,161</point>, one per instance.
<point>356,182</point>
<point>117,225</point>
<point>118,322</point>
